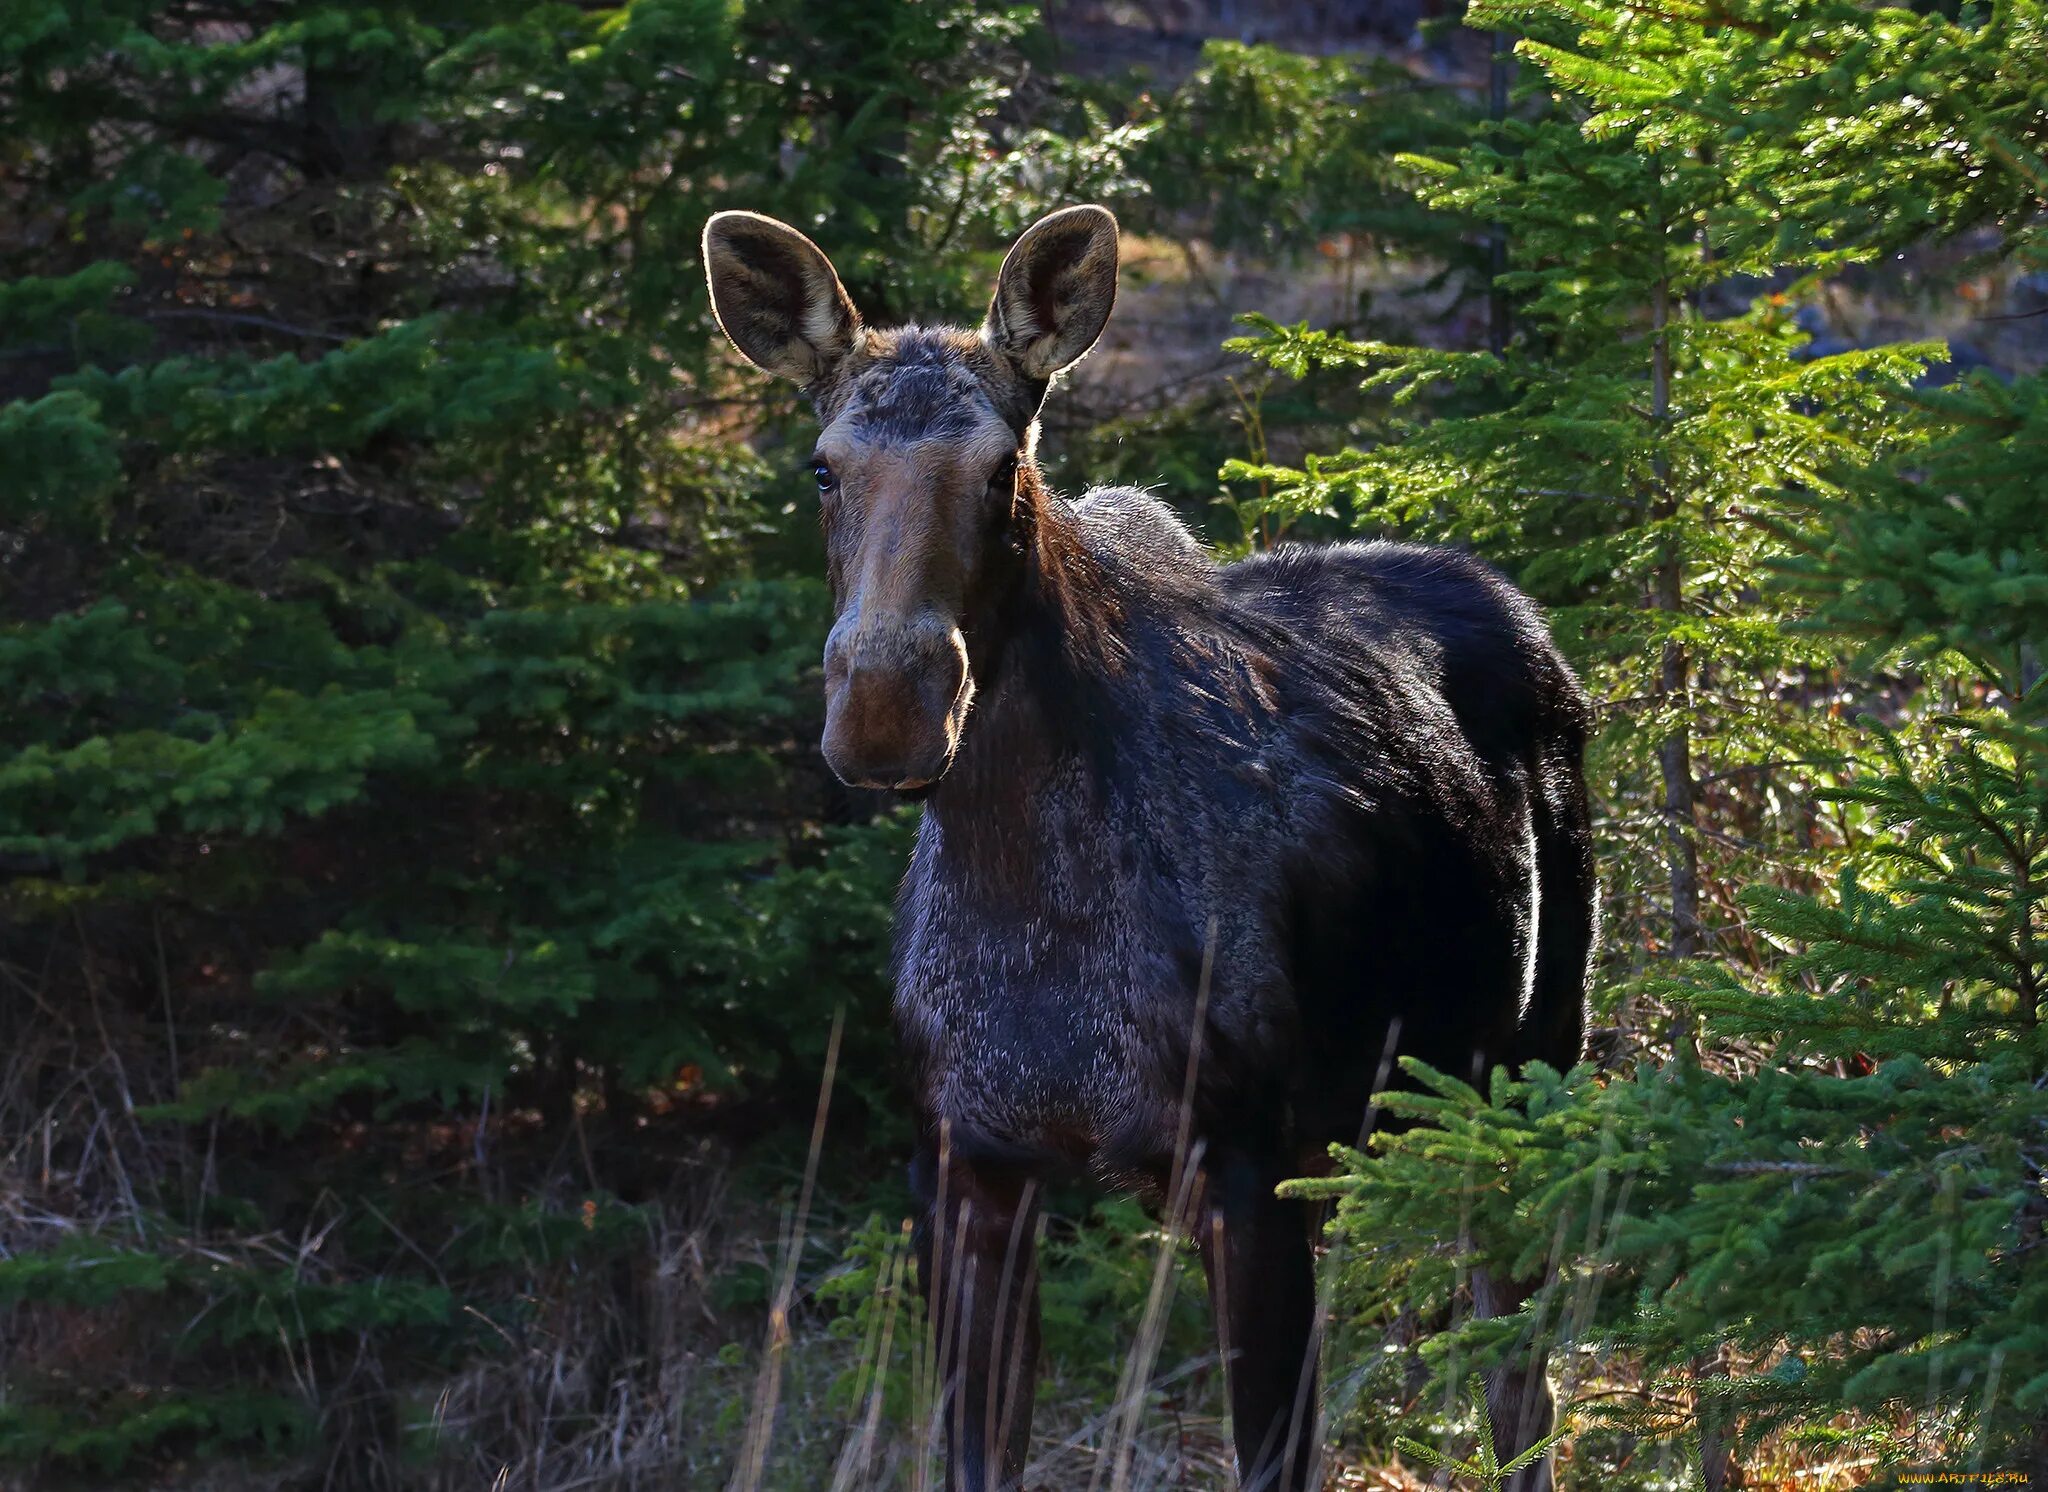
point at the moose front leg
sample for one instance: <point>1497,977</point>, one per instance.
<point>977,1262</point>
<point>1262,1288</point>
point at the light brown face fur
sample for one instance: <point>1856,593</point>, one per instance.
<point>905,522</point>
<point>924,433</point>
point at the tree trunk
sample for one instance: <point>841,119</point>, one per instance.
<point>1674,753</point>
<point>1718,1469</point>
<point>1499,75</point>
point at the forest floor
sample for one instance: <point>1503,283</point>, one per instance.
<point>722,1365</point>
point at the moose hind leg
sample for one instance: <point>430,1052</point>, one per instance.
<point>977,1263</point>
<point>1261,1268</point>
<point>1520,1407</point>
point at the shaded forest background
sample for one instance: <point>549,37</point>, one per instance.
<point>430,943</point>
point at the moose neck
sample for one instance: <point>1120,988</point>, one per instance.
<point>1047,648</point>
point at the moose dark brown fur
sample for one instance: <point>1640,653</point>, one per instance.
<point>1330,800</point>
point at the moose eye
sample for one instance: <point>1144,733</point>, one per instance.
<point>1002,475</point>
<point>826,480</point>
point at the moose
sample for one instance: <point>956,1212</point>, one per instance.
<point>1202,845</point>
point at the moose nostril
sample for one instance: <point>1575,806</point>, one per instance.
<point>886,695</point>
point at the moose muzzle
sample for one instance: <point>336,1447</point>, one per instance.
<point>896,696</point>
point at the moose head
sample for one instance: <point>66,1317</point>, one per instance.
<point>924,462</point>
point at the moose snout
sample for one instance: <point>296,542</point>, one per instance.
<point>895,700</point>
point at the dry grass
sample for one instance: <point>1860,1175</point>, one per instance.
<point>757,1400</point>
<point>645,1375</point>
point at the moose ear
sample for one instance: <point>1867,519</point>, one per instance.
<point>777,297</point>
<point>1055,292</point>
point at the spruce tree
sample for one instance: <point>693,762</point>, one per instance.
<point>1839,1191</point>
